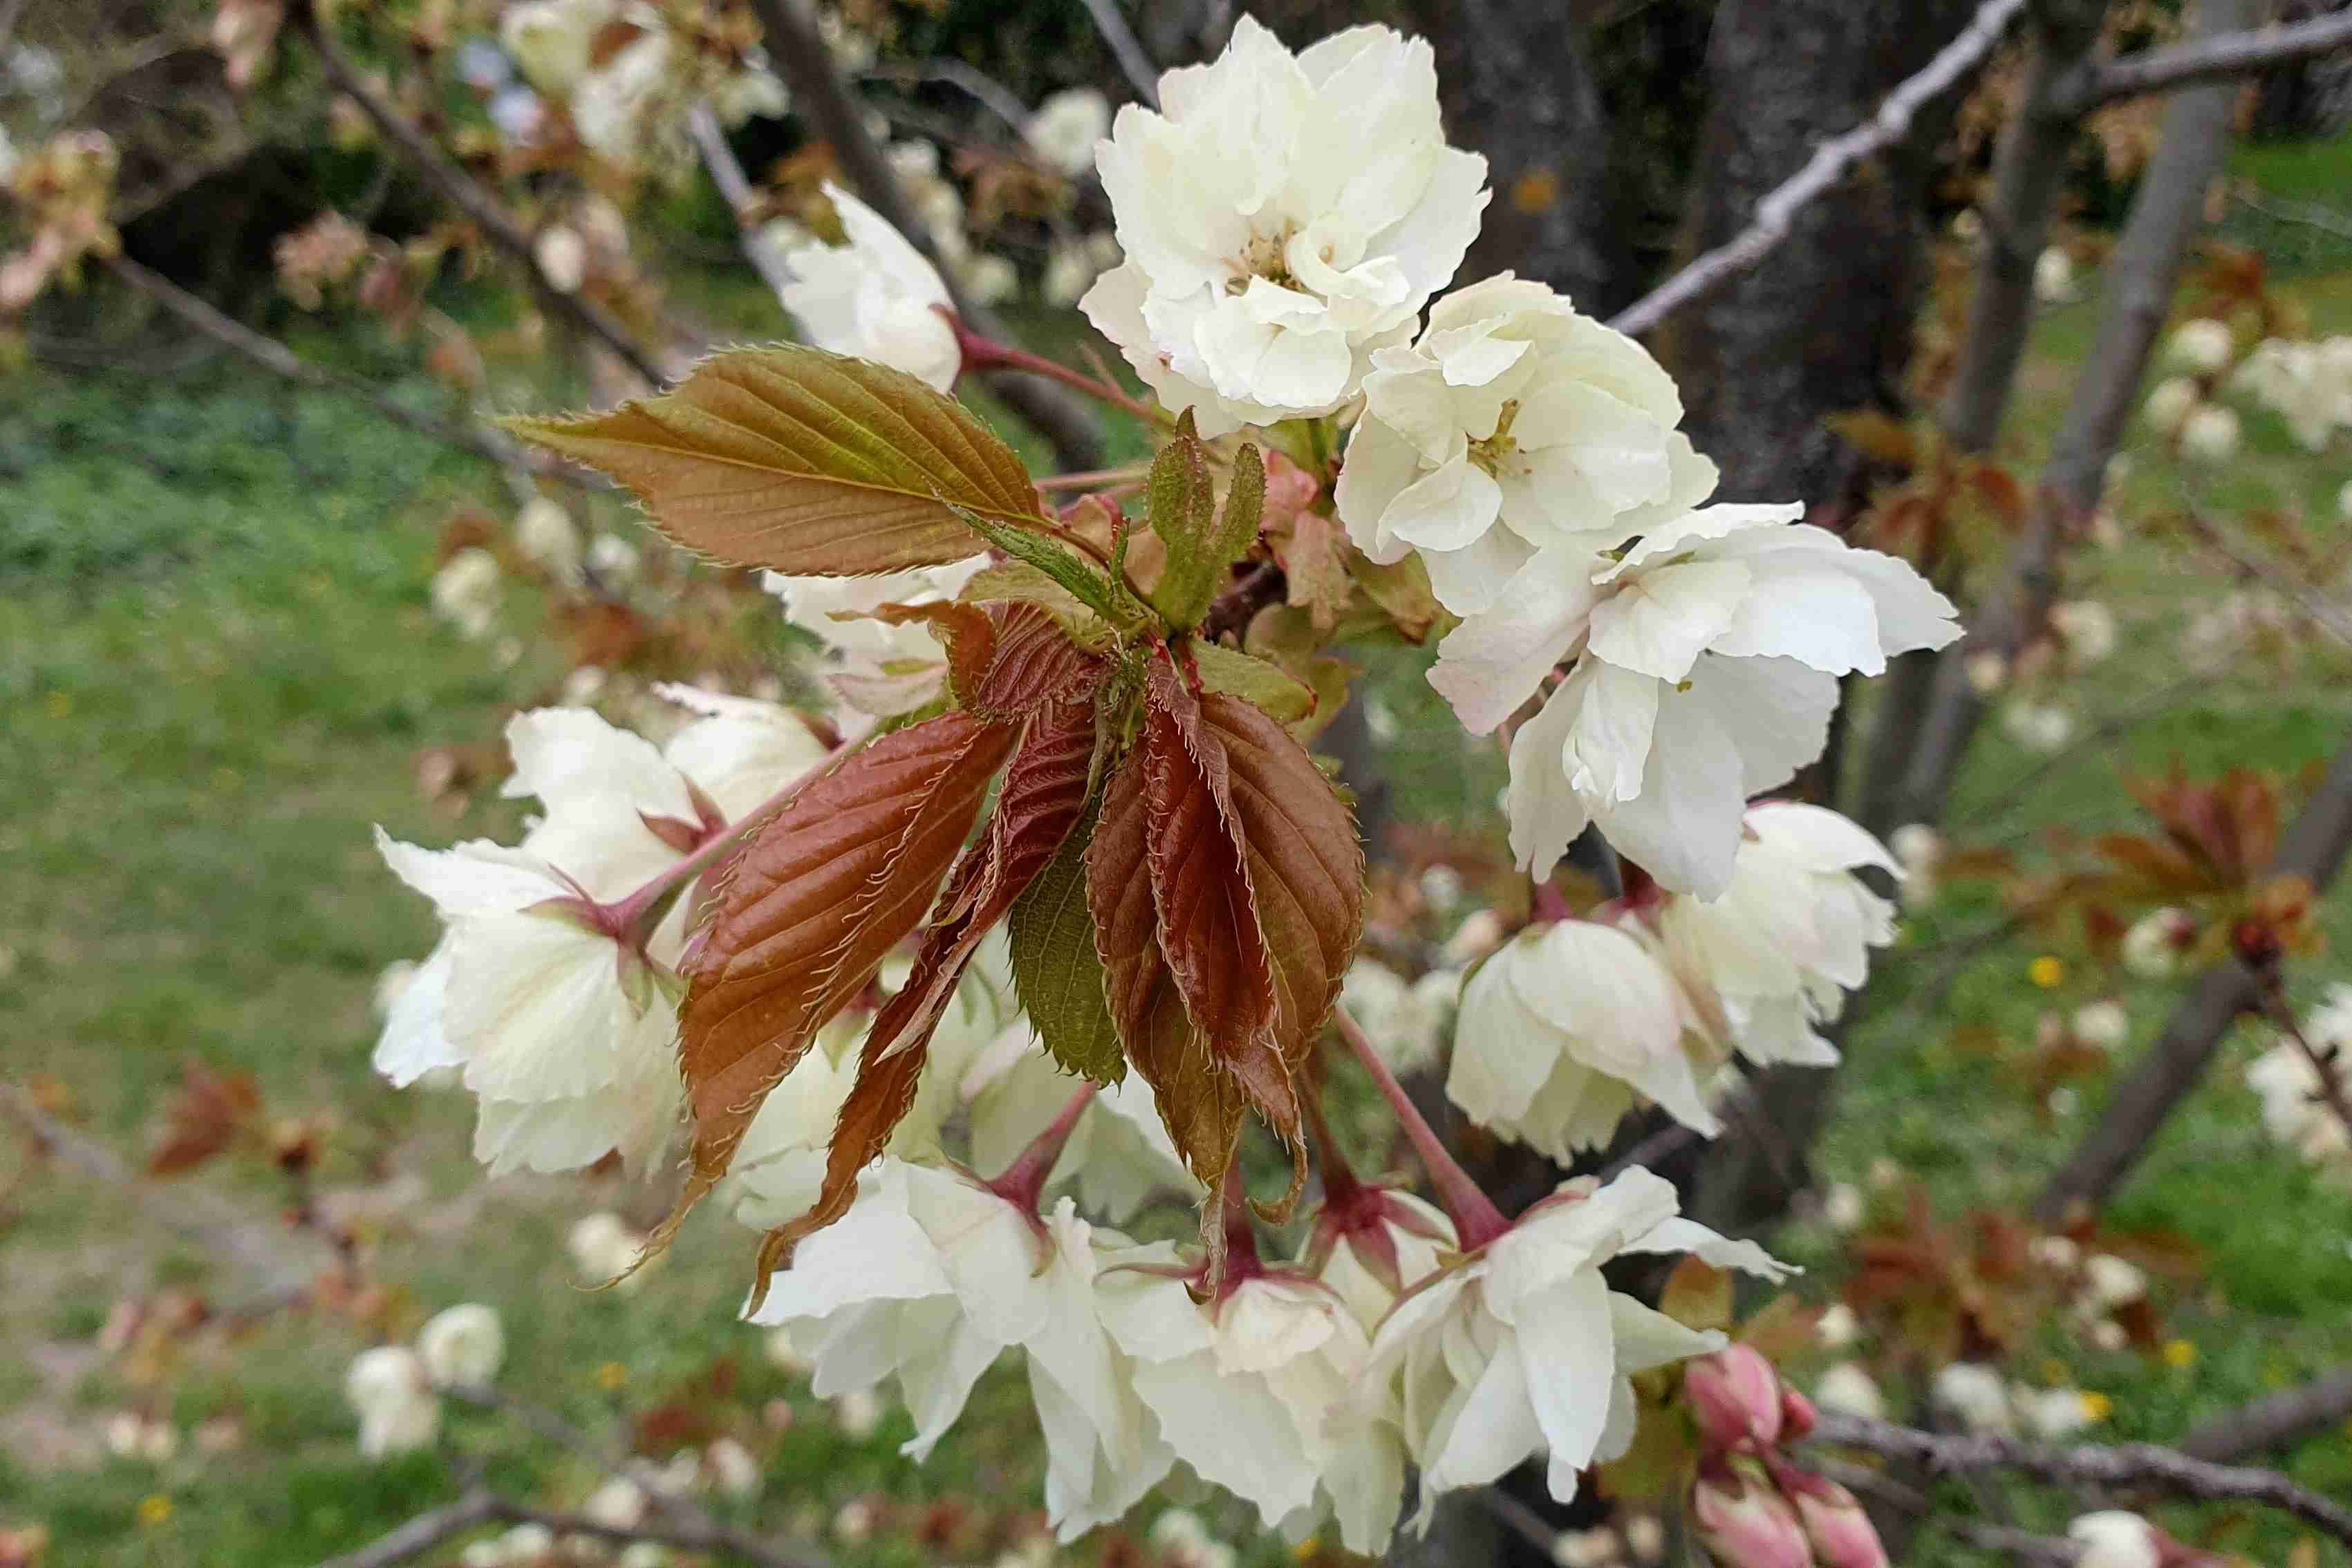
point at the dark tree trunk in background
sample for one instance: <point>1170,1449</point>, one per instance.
<point>2309,98</point>
<point>1822,325</point>
<point>1517,85</point>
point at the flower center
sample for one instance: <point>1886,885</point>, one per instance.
<point>1498,448</point>
<point>1265,256</point>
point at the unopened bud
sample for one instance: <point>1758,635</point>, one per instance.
<point>1842,1533</point>
<point>1797,1414</point>
<point>1735,1395</point>
<point>1744,1522</point>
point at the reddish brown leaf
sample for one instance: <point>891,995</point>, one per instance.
<point>1044,795</point>
<point>1035,667</point>
<point>1202,1107</point>
<point>808,910</point>
<point>966,631</point>
<point>1199,877</point>
<point>1306,866</point>
<point>204,1118</point>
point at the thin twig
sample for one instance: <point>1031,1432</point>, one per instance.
<point>2207,60</point>
<point>1127,49</point>
<point>2311,215</point>
<point>278,360</point>
<point>982,87</point>
<point>2321,614</point>
<point>479,1507</point>
<point>2112,1466</point>
<point>2325,1066</point>
<point>1832,161</point>
<point>424,1532</point>
<point>689,1525</point>
<point>2273,1421</point>
<point>495,221</point>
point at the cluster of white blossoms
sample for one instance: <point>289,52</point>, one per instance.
<point>2295,1109</point>
<point>1572,1025</point>
<point>1665,659</point>
<point>2307,384</point>
<point>392,1388</point>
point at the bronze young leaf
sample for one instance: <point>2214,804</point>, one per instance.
<point>804,461</point>
<point>807,911</point>
<point>1043,798</point>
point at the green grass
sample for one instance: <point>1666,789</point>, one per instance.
<point>218,667</point>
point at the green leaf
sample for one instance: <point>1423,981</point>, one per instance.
<point>804,461</point>
<point>1018,582</point>
<point>1253,680</point>
<point>1055,968</point>
<point>1203,544</point>
<point>1060,566</point>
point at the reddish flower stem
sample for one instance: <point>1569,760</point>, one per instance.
<point>1476,1220</point>
<point>1023,1182</point>
<point>981,353</point>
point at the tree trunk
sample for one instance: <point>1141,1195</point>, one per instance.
<point>1824,324</point>
<point>2141,277</point>
<point>1518,86</point>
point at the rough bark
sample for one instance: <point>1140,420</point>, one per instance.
<point>1517,85</point>
<point>807,68</point>
<point>2141,279</point>
<point>2314,848</point>
<point>1823,323</point>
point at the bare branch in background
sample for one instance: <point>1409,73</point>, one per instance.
<point>278,360</point>
<point>2201,59</point>
<point>496,223</point>
<point>2275,1421</point>
<point>807,67</point>
<point>430,1530</point>
<point>2028,169</point>
<point>1111,22</point>
<point>2112,1466</point>
<point>2314,849</point>
<point>2141,277</point>
<point>1829,166</point>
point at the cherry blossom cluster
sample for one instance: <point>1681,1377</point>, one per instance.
<point>1657,658</point>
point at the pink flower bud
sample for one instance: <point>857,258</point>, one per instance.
<point>1735,1395</point>
<point>1797,1414</point>
<point>1841,1534</point>
<point>1745,1523</point>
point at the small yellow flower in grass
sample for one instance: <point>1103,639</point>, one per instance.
<point>2179,1353</point>
<point>1306,1549</point>
<point>60,705</point>
<point>2096,1406</point>
<point>2048,971</point>
<point>612,1376</point>
<point>154,1509</point>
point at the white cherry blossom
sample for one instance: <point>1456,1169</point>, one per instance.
<point>875,297</point>
<point>1706,664</point>
<point>565,1038</point>
<point>1564,1030</point>
<point>931,1276</point>
<point>1791,933</point>
<point>1065,128</point>
<point>390,1390</point>
<point>881,667</point>
<point>1515,423</point>
<point>1269,250</point>
<point>1520,1348</point>
<point>742,750</point>
<point>1251,1389</point>
<point>464,1345</point>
